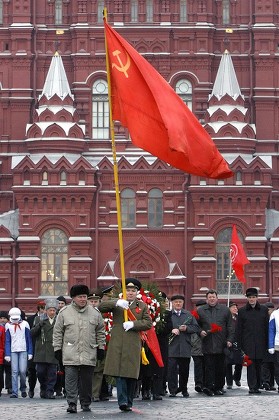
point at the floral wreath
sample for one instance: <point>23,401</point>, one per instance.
<point>151,296</point>
<point>108,322</point>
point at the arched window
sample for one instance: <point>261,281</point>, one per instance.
<point>238,178</point>
<point>183,11</point>
<point>100,107</point>
<point>155,208</point>
<point>58,12</point>
<point>54,263</point>
<point>128,208</point>
<point>134,10</point>
<point>223,243</point>
<point>226,12</point>
<point>63,178</point>
<point>183,88</point>
<point>44,178</point>
<point>100,8</point>
<point>149,10</point>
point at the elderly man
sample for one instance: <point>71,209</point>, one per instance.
<point>124,350</point>
<point>78,340</point>
<point>46,363</point>
<point>215,321</point>
<point>184,324</point>
<point>252,336</point>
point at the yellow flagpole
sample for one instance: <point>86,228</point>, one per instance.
<point>116,182</point>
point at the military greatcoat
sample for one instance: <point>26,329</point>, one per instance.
<point>124,350</point>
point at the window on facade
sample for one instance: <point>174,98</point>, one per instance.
<point>100,8</point>
<point>226,12</point>
<point>58,12</point>
<point>100,107</point>
<point>54,263</point>
<point>134,10</point>
<point>63,178</point>
<point>149,10</point>
<point>155,208</point>
<point>128,208</point>
<point>223,243</point>
<point>1,12</point>
<point>44,178</point>
<point>238,178</point>
<point>183,11</point>
<point>183,88</point>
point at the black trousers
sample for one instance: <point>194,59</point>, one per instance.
<point>230,376</point>
<point>183,364</point>
<point>198,370</point>
<point>78,382</point>
<point>214,371</point>
<point>254,374</point>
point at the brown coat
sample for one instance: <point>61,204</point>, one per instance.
<point>124,350</point>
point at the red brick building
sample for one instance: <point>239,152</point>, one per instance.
<point>58,223</point>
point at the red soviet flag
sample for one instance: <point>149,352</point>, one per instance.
<point>156,117</point>
<point>238,257</point>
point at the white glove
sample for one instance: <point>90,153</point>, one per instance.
<point>128,325</point>
<point>7,358</point>
<point>271,351</point>
<point>30,356</point>
<point>122,303</point>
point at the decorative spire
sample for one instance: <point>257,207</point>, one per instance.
<point>56,81</point>
<point>226,81</point>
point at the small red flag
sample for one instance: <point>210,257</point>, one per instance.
<point>238,257</point>
<point>156,117</point>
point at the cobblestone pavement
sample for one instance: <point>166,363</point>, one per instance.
<point>235,404</point>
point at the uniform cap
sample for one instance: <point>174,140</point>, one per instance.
<point>131,282</point>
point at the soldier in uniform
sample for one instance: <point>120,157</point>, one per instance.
<point>124,350</point>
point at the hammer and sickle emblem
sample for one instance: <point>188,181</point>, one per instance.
<point>123,68</point>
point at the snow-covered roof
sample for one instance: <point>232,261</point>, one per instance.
<point>226,80</point>
<point>56,82</point>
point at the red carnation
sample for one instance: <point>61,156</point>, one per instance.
<point>215,328</point>
<point>246,361</point>
<point>195,314</point>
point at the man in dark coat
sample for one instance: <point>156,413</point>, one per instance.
<point>215,321</point>
<point>31,366</point>
<point>252,336</point>
<point>124,351</point>
<point>46,363</point>
<point>184,324</point>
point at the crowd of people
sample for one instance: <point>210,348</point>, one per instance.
<point>141,344</point>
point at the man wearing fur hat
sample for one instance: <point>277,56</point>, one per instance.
<point>124,350</point>
<point>252,336</point>
<point>46,363</point>
<point>78,341</point>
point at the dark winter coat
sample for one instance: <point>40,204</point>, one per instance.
<point>181,346</point>
<point>42,332</point>
<point>215,343</point>
<point>124,351</point>
<point>252,330</point>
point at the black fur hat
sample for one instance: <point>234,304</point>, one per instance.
<point>79,289</point>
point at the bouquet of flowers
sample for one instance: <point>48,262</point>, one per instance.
<point>108,321</point>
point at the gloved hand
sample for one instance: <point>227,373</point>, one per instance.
<point>58,356</point>
<point>122,303</point>
<point>100,354</point>
<point>271,351</point>
<point>30,356</point>
<point>7,358</point>
<point>128,325</point>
